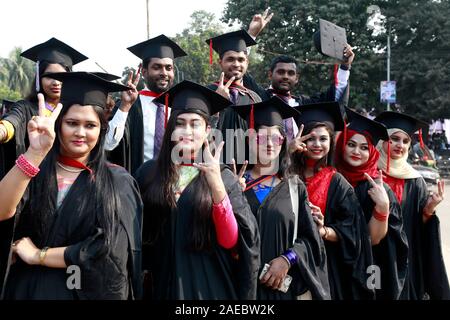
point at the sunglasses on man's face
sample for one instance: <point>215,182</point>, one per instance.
<point>275,138</point>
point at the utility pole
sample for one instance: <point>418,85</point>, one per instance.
<point>148,19</point>
<point>388,107</point>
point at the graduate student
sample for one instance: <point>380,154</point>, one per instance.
<point>87,217</point>
<point>233,61</point>
<point>357,160</point>
<point>334,204</point>
<point>201,238</point>
<point>427,277</point>
<point>137,127</point>
<point>290,242</point>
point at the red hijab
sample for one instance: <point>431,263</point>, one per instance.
<point>356,174</point>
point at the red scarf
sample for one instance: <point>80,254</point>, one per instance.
<point>73,163</point>
<point>149,93</point>
<point>318,186</point>
<point>397,185</point>
<point>356,174</point>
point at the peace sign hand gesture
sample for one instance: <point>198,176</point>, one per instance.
<point>211,165</point>
<point>128,97</point>
<point>240,176</point>
<point>298,143</point>
<point>378,194</point>
<point>259,22</point>
<point>41,129</point>
<point>222,89</point>
<point>434,199</point>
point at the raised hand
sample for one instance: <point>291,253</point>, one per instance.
<point>211,165</point>
<point>349,55</point>
<point>298,143</point>
<point>434,199</point>
<point>378,194</point>
<point>224,89</point>
<point>41,129</point>
<point>259,22</point>
<point>128,97</point>
<point>240,176</point>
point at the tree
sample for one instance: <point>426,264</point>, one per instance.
<point>16,72</point>
<point>423,88</point>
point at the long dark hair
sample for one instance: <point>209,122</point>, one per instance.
<point>100,204</point>
<point>298,160</point>
<point>43,65</point>
<point>158,194</point>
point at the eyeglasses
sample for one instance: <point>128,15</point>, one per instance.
<point>275,138</point>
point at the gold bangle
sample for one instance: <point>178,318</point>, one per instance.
<point>42,255</point>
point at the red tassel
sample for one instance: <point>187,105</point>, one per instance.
<point>422,145</point>
<point>210,52</point>
<point>252,118</point>
<point>336,68</point>
<point>345,136</point>
<point>388,162</point>
<point>166,111</point>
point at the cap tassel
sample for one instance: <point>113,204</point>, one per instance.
<point>252,117</point>
<point>38,87</point>
<point>138,74</point>
<point>344,136</point>
<point>422,145</point>
<point>210,52</point>
<point>388,162</point>
<point>166,111</point>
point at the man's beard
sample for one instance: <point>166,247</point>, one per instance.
<point>152,85</point>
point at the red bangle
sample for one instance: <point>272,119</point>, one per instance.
<point>27,167</point>
<point>380,216</point>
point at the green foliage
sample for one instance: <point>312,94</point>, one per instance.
<point>7,93</point>
<point>16,72</point>
<point>420,62</point>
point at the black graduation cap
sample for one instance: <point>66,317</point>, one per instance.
<point>85,88</point>
<point>54,51</point>
<point>235,41</point>
<point>330,40</point>
<point>401,121</point>
<point>361,124</point>
<point>158,47</point>
<point>193,97</point>
<point>106,76</point>
<point>328,112</point>
<point>270,112</point>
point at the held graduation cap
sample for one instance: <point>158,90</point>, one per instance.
<point>327,112</point>
<point>330,40</point>
<point>232,41</point>
<point>270,112</point>
<point>85,88</point>
<point>188,96</point>
<point>157,47</point>
<point>375,130</point>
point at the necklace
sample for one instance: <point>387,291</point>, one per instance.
<point>69,170</point>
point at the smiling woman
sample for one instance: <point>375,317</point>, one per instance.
<point>87,214</point>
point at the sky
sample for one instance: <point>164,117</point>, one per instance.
<point>100,29</point>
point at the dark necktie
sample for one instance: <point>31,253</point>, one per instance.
<point>234,95</point>
<point>159,128</point>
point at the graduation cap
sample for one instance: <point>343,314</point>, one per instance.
<point>189,96</point>
<point>330,40</point>
<point>270,112</point>
<point>85,88</point>
<point>401,121</point>
<point>54,51</point>
<point>106,76</point>
<point>232,41</point>
<point>158,47</point>
<point>364,125</point>
<point>328,112</point>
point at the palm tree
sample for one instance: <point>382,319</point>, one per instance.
<point>16,72</point>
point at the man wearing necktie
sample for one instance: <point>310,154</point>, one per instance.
<point>138,124</point>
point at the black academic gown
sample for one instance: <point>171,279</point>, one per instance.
<point>391,254</point>
<point>179,273</point>
<point>232,121</point>
<point>348,258</point>
<point>129,153</point>
<point>107,271</point>
<point>427,278</point>
<point>19,115</point>
<point>276,223</point>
